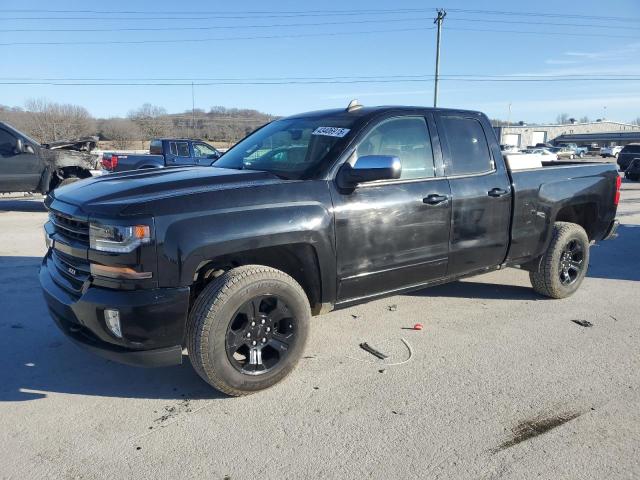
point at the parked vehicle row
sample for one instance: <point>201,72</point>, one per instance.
<point>312,212</point>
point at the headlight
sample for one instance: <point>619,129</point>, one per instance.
<point>118,239</point>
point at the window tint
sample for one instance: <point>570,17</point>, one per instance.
<point>155,148</point>
<point>202,150</point>
<point>173,149</point>
<point>7,144</point>
<point>468,146</point>
<point>183,149</point>
<point>631,149</point>
<point>406,138</point>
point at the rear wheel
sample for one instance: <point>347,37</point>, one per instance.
<point>247,329</point>
<point>564,264</point>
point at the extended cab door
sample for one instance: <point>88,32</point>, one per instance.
<point>179,154</point>
<point>19,171</point>
<point>394,233</point>
<point>480,191</point>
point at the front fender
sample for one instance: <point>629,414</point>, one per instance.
<point>188,240</point>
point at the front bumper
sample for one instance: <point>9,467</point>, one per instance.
<point>152,320</point>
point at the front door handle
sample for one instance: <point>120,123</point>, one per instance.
<point>435,199</point>
<point>497,192</point>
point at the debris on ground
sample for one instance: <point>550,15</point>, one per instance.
<point>382,370</point>
<point>392,308</point>
<point>418,326</point>
<point>368,348</point>
<point>583,323</point>
<point>354,316</point>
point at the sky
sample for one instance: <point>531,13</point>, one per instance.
<point>315,55</point>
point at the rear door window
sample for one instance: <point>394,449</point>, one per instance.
<point>183,149</point>
<point>468,146</point>
<point>173,149</point>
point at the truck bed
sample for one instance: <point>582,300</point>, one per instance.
<point>541,195</point>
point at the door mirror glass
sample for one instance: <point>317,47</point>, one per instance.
<point>369,168</point>
<point>19,146</point>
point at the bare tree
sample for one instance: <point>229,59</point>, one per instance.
<point>636,121</point>
<point>562,118</point>
<point>48,121</point>
<point>584,119</point>
<point>151,120</point>
<point>120,131</point>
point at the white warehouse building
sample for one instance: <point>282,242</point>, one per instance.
<point>594,134</point>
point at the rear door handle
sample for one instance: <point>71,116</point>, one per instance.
<point>435,199</point>
<point>497,192</point>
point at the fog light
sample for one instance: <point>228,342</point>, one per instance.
<point>112,317</point>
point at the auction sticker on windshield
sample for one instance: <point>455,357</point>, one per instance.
<point>331,131</point>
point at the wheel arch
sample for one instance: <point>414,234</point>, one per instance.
<point>298,260</point>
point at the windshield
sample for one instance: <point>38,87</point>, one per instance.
<point>289,148</point>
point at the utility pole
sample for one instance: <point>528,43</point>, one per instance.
<point>438,20</point>
<point>193,112</point>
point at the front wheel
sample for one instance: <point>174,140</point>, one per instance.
<point>247,329</point>
<point>68,181</point>
<point>564,265</point>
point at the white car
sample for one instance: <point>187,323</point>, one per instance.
<point>610,151</point>
<point>546,154</point>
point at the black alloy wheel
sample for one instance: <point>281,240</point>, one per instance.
<point>260,335</point>
<point>571,262</point>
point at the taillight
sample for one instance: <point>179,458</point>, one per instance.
<point>110,162</point>
<point>616,198</point>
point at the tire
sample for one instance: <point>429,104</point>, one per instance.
<point>216,318</point>
<point>581,154</point>
<point>67,181</point>
<point>549,280</point>
<point>572,156</point>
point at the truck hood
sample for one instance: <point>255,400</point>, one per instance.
<point>116,192</point>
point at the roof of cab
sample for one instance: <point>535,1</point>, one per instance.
<point>372,111</point>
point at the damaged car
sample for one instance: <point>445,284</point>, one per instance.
<point>28,166</point>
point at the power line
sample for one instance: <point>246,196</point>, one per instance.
<point>538,32</point>
<point>287,25</point>
<point>317,82</point>
<point>212,39</point>
<point>180,15</point>
<point>217,27</point>
<point>301,35</point>
<point>187,81</point>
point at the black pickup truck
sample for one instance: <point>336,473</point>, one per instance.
<point>28,166</point>
<point>163,152</point>
<point>312,212</point>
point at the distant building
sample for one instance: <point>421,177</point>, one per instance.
<point>593,134</point>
